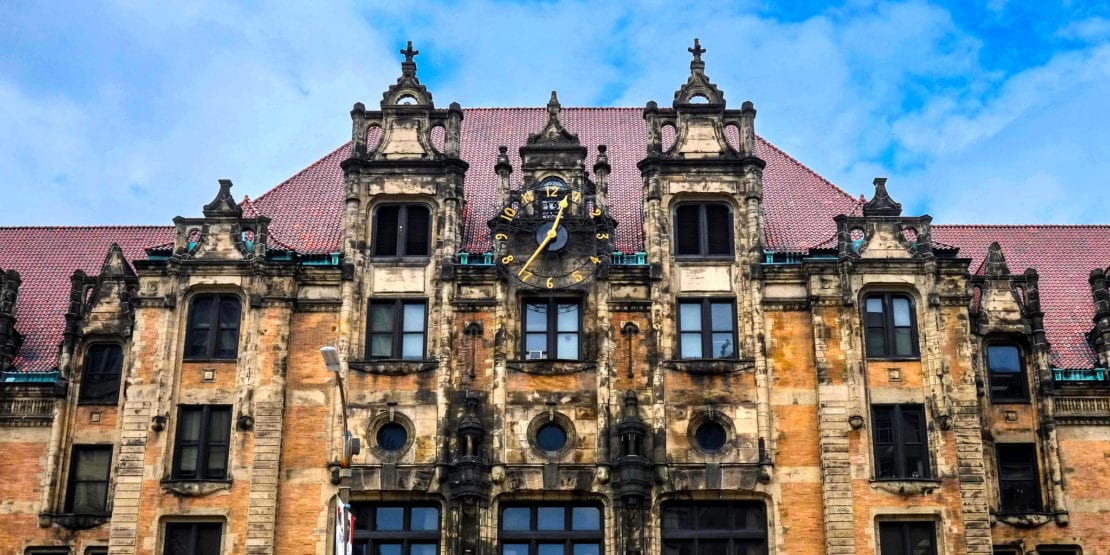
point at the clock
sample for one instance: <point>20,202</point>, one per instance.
<point>551,236</point>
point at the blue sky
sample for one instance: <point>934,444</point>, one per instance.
<point>978,112</point>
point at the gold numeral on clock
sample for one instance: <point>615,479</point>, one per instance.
<point>576,196</point>
<point>552,191</point>
<point>602,235</point>
<point>550,283</point>
<point>508,214</point>
<point>595,260</point>
<point>507,259</point>
<point>500,237</point>
<point>527,196</point>
<point>527,275</point>
<point>595,212</point>
<point>578,277</point>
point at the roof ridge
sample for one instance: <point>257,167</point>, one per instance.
<point>835,187</point>
<point>300,173</point>
<point>510,108</point>
<point>1073,226</point>
<point>77,227</point>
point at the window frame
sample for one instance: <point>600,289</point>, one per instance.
<point>904,527</point>
<point>693,536</point>
<point>397,334</point>
<point>400,246</point>
<point>72,481</point>
<point>704,229</point>
<point>705,306</point>
<point>551,328</point>
<point>194,529</point>
<point>1021,376</point>
<point>534,536</point>
<point>370,537</point>
<point>84,397</point>
<point>1030,450</point>
<point>204,444</point>
<point>898,441</point>
<point>212,333</point>
<point>889,328</point>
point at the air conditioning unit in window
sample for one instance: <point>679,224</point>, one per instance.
<point>535,355</point>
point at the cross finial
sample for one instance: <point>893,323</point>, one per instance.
<point>409,52</point>
<point>697,50</point>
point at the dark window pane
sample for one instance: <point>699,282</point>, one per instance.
<point>719,229</point>
<point>389,549</point>
<point>417,231</point>
<point>392,437</point>
<point>699,527</point>
<point>514,549</point>
<point>876,342</point>
<point>516,518</point>
<point>390,518</point>
<point>688,229</point>
<point>888,320</point>
<point>586,549</point>
<point>423,549</point>
<point>551,518</point>
<point>903,342</point>
<point>551,437</point>
<point>550,549</point>
<point>585,518</point>
<point>100,377</point>
<point>710,436</point>
<point>386,230</point>
<point>425,518</point>
<point>208,538</point>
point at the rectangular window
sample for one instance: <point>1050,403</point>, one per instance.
<point>100,375</point>
<point>901,444</point>
<point>890,326</point>
<point>707,328</point>
<point>213,327</point>
<point>1007,374</point>
<point>87,490</point>
<point>1019,488</point>
<point>402,230</point>
<point>47,551</point>
<point>907,538</point>
<point>703,229</point>
<point>96,551</point>
<point>551,529</point>
<point>396,329</point>
<point>552,329</point>
<point>714,529</point>
<point>203,438</point>
<point>395,529</point>
<point>1059,550</point>
<point>192,538</point>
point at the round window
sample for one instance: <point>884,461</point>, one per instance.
<point>551,437</point>
<point>711,436</point>
<point>392,437</point>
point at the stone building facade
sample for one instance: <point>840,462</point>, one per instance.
<point>666,336</point>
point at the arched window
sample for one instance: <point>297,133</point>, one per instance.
<point>890,325</point>
<point>213,330</point>
<point>402,230</point>
<point>703,229</point>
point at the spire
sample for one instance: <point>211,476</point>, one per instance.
<point>698,88</point>
<point>995,264</point>
<point>408,67</point>
<point>553,132</point>
<point>407,89</point>
<point>881,204</point>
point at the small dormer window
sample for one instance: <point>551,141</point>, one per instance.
<point>402,230</point>
<point>703,229</point>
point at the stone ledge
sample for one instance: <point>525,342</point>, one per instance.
<point>711,366</point>
<point>907,487</point>
<point>195,488</point>
<point>74,521</point>
<point>1029,520</point>
<point>393,367</point>
<point>550,367</point>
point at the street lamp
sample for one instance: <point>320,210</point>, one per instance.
<point>351,447</point>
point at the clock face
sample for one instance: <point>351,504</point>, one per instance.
<point>551,236</point>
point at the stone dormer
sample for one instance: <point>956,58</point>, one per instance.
<point>698,119</point>
<point>883,232</point>
<point>223,233</point>
<point>1006,302</point>
<point>1100,335</point>
<point>101,305</point>
<point>406,126</point>
<point>10,339</point>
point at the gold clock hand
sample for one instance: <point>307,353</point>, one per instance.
<point>551,235</point>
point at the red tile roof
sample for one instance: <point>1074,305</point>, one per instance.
<point>798,203</point>
<point>45,257</point>
<point>1063,256</point>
